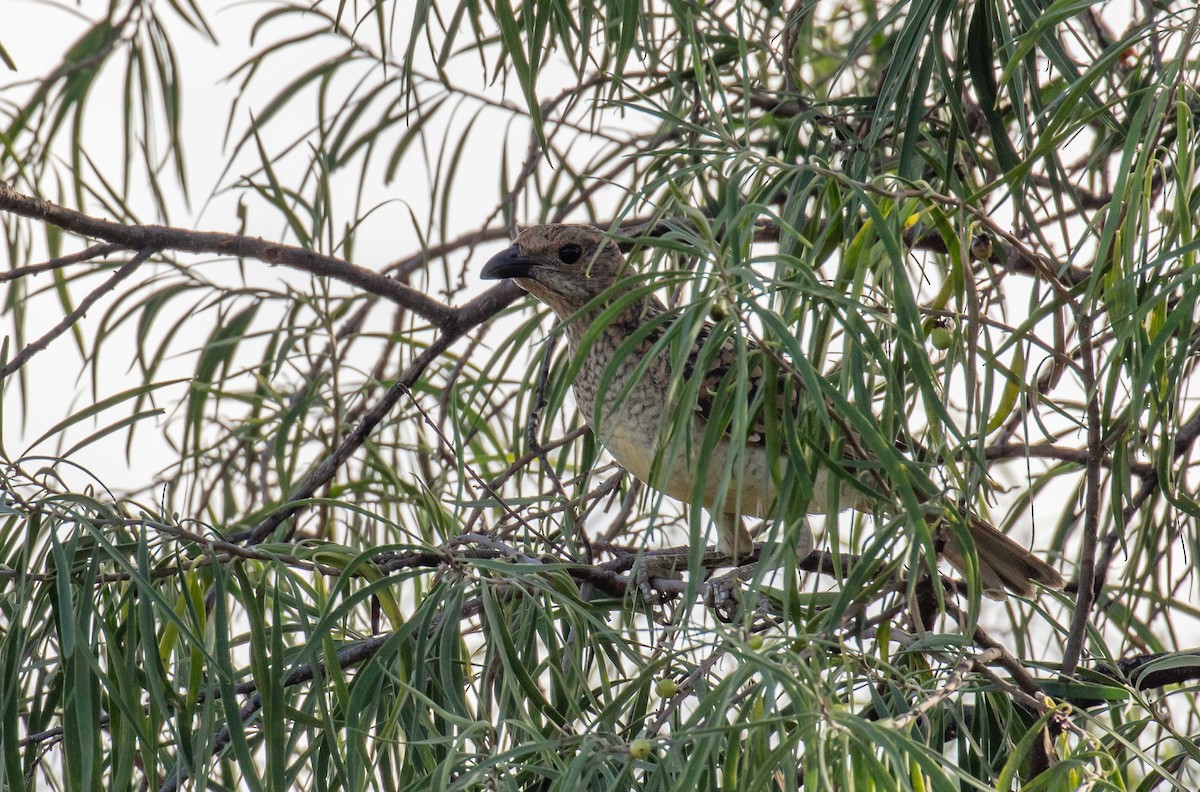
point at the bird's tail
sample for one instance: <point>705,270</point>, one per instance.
<point>1003,564</point>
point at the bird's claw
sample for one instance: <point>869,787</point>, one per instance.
<point>645,570</point>
<point>722,594</point>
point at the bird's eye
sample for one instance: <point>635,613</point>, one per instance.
<point>569,254</point>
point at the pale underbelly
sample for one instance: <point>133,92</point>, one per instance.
<point>742,484</point>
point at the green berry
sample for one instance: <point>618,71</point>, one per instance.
<point>640,749</point>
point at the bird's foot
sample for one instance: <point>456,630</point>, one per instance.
<point>649,573</point>
<point>722,594</point>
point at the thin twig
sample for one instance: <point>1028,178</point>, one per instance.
<point>954,681</point>
<point>471,474</point>
<point>87,254</point>
<point>158,237</point>
<point>482,307</point>
<point>70,319</point>
<point>1062,453</point>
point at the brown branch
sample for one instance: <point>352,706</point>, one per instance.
<point>955,680</point>
<point>1013,259</point>
<point>1048,451</point>
<point>95,251</point>
<point>158,237</point>
<point>1131,670</point>
<point>33,347</point>
<point>454,326</point>
<point>529,456</point>
<point>1024,680</point>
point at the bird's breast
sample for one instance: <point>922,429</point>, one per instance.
<point>640,426</point>
<point>636,419</point>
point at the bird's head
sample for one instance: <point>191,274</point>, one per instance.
<point>565,266</point>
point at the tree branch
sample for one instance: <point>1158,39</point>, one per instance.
<point>158,237</point>
<point>33,347</point>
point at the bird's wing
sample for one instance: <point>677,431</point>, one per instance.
<point>726,369</point>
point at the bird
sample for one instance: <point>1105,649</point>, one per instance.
<point>627,389</point>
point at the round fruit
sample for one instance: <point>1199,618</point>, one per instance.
<point>640,749</point>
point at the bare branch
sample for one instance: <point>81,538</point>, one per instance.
<point>74,316</point>
<point>156,238</point>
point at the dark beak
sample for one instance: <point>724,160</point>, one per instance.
<point>510,263</point>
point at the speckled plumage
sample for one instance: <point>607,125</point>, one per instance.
<point>568,267</point>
